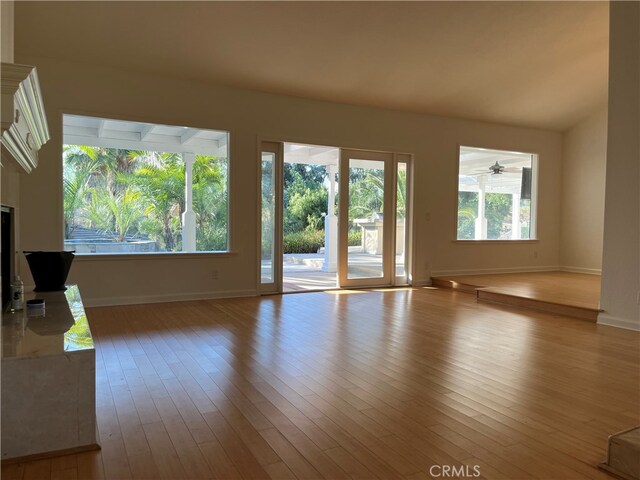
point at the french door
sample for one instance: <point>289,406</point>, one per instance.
<point>373,218</point>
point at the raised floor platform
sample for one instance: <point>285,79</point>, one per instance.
<point>563,293</point>
<point>623,454</point>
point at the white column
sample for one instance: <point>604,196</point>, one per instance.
<point>331,226</point>
<point>481,221</point>
<point>515,216</point>
<point>189,216</point>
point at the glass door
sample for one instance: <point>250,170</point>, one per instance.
<point>270,254</point>
<point>366,218</point>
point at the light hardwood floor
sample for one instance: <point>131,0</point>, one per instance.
<point>367,384</point>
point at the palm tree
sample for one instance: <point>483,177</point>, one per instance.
<point>162,189</point>
<point>210,202</point>
<point>126,211</point>
<point>366,193</point>
<point>80,165</point>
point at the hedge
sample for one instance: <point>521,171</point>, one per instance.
<point>310,241</point>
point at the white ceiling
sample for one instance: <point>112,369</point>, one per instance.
<point>535,64</point>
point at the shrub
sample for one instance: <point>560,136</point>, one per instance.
<point>355,238</point>
<point>307,241</point>
<point>310,241</point>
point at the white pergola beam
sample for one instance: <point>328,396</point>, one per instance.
<point>101,128</point>
<point>188,135</point>
<point>146,131</point>
<point>208,148</point>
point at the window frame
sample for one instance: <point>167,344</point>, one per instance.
<point>533,223</point>
<point>157,254</point>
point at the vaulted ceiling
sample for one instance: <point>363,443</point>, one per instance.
<point>534,64</point>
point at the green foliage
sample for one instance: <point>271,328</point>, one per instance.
<point>366,192</point>
<point>137,192</point>
<point>305,210</point>
<point>307,241</point>
<point>401,197</point>
<point>497,213</point>
<point>305,197</point>
<point>75,183</point>
<point>210,203</point>
<point>310,241</point>
<point>467,214</point>
<point>268,209</point>
<point>355,238</point>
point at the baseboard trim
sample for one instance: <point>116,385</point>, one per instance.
<point>588,271</point>
<point>486,271</point>
<point>422,283</point>
<point>181,297</point>
<point>611,321</point>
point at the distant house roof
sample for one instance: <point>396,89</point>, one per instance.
<point>95,235</point>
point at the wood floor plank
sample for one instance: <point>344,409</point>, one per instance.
<point>90,465</point>
<point>164,453</point>
<point>241,456</point>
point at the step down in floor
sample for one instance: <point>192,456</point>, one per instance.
<point>623,454</point>
<point>494,295</point>
<point>448,283</point>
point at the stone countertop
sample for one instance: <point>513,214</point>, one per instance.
<point>63,328</point>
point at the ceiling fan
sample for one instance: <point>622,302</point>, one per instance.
<point>496,169</point>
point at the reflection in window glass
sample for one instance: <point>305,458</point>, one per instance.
<point>401,213</point>
<point>366,218</point>
<point>268,217</point>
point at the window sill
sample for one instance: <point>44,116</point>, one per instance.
<point>491,242</point>
<point>150,256</point>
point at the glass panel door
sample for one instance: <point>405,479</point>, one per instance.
<point>402,220</point>
<point>271,215</point>
<point>366,218</point>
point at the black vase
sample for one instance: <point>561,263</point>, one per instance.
<point>49,269</point>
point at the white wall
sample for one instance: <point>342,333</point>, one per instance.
<point>620,297</point>
<point>85,89</point>
<point>6,27</point>
<point>584,155</point>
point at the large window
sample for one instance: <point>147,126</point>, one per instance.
<point>133,187</point>
<point>496,195</point>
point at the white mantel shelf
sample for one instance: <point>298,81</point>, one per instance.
<point>23,120</point>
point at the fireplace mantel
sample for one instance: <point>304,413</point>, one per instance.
<point>24,123</point>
